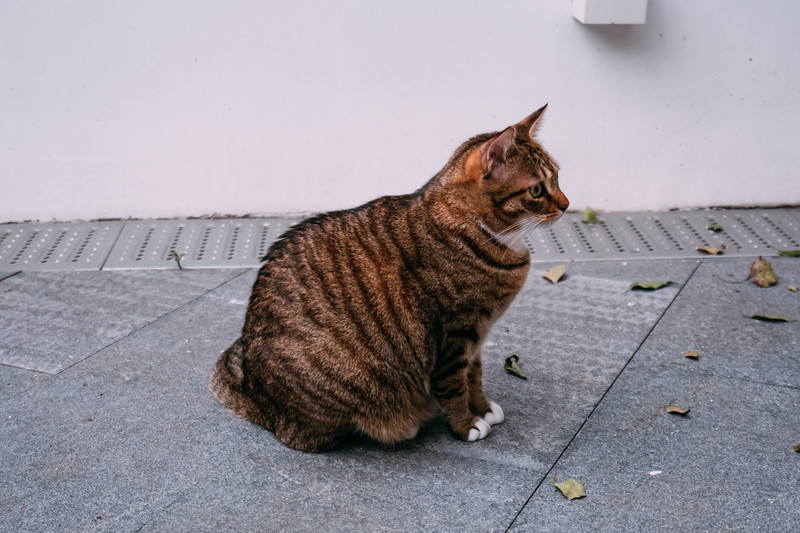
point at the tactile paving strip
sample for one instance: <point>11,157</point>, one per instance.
<point>666,235</point>
<point>56,246</point>
<point>220,243</point>
<point>215,243</point>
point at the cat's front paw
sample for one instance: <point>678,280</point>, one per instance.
<point>495,416</point>
<point>479,431</point>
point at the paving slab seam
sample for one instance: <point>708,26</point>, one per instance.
<point>26,369</point>
<point>129,334</point>
<point>605,393</point>
<point>7,275</point>
<point>113,245</point>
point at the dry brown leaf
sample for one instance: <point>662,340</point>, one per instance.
<point>674,409</point>
<point>570,488</point>
<point>693,354</point>
<point>711,250</point>
<point>793,288</point>
<point>555,273</point>
<point>649,285</point>
<point>771,318</point>
<point>762,274</point>
<point>512,366</point>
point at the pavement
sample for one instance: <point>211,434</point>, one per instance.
<point>107,424</point>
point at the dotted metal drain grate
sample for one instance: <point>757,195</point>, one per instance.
<point>57,246</point>
<point>674,234</point>
<point>199,243</point>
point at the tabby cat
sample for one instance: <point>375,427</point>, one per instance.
<point>362,321</point>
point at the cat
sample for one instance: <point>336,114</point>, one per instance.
<point>362,321</point>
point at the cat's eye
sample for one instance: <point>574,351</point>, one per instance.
<point>536,190</point>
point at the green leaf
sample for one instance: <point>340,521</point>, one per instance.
<point>649,285</point>
<point>715,227</point>
<point>693,354</point>
<point>797,448</point>
<point>173,255</point>
<point>570,488</point>
<point>512,366</point>
<point>674,409</point>
<point>555,273</point>
<point>762,274</point>
<point>789,253</point>
<point>589,215</point>
<point>711,250</point>
<point>771,318</point>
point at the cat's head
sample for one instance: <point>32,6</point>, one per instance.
<point>512,180</point>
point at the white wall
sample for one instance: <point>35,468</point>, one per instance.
<point>184,107</point>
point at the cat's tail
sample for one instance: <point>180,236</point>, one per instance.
<point>226,384</point>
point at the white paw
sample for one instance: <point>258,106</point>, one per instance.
<point>480,431</point>
<point>495,416</point>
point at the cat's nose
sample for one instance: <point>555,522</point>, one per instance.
<point>562,202</point>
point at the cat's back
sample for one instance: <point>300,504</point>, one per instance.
<point>351,258</point>
<point>338,292</point>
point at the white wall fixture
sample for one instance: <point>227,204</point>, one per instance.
<point>610,11</point>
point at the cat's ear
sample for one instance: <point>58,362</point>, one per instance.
<point>494,152</point>
<point>529,125</point>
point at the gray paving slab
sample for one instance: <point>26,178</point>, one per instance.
<point>49,321</point>
<point>710,317</point>
<point>123,434</point>
<point>131,434</point>
<point>364,488</point>
<point>14,381</point>
<point>727,466</point>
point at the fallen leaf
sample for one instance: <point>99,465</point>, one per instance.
<point>693,354</point>
<point>789,253</point>
<point>771,318</point>
<point>797,448</point>
<point>512,366</point>
<point>555,273</point>
<point>762,274</point>
<point>570,488</point>
<point>650,285</point>
<point>589,215</point>
<point>793,288</point>
<point>677,410</point>
<point>712,251</point>
<point>715,227</point>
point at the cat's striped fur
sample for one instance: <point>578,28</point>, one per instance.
<point>361,321</point>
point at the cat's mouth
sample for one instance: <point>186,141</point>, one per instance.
<point>546,220</point>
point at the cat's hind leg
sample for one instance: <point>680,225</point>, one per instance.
<point>311,437</point>
<point>391,428</point>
